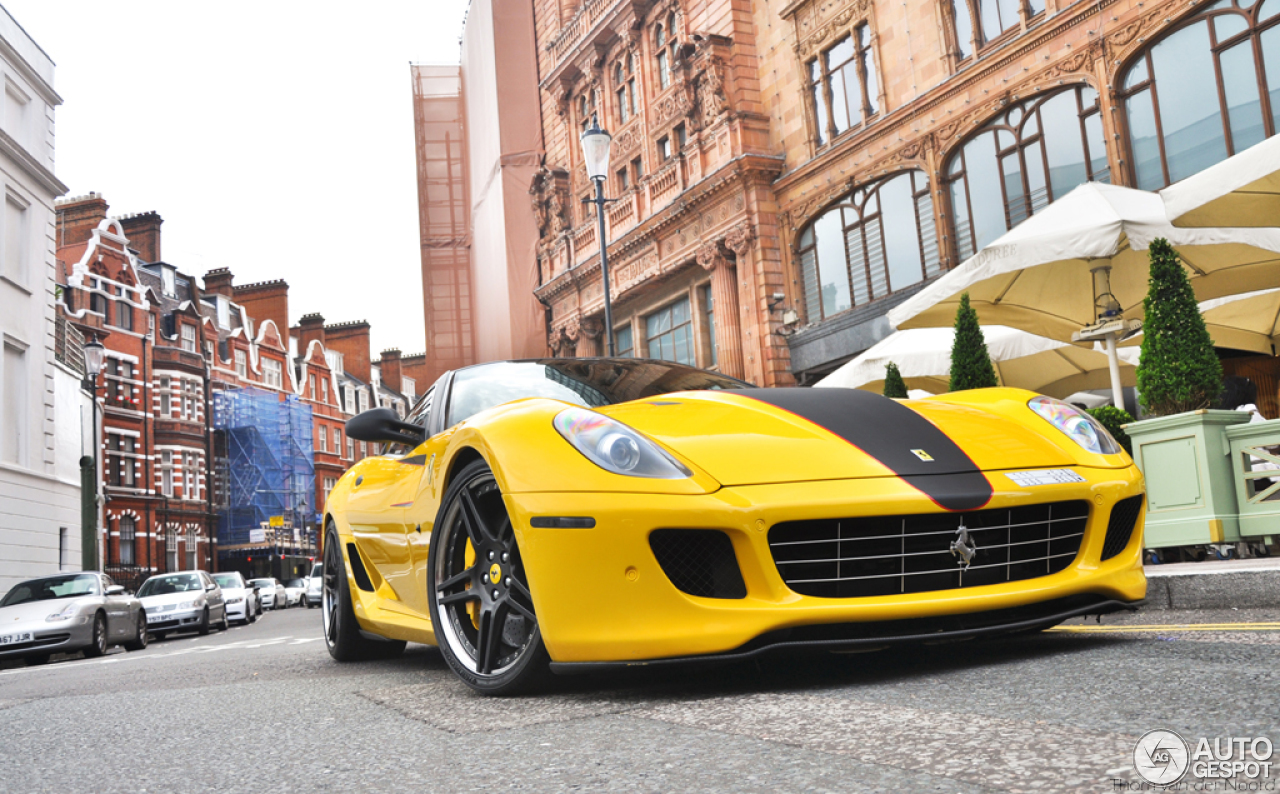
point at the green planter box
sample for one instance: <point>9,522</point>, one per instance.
<point>1259,514</point>
<point>1191,492</point>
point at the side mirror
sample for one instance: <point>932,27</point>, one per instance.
<point>115,589</point>
<point>211,587</point>
<point>383,425</point>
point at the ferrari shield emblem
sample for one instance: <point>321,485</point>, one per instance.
<point>495,573</point>
<point>921,454</point>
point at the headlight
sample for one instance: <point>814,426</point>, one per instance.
<point>235,600</point>
<point>68,612</point>
<point>199,602</point>
<point>615,447</point>
<point>1076,424</point>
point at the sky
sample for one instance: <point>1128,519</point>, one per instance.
<point>274,137</point>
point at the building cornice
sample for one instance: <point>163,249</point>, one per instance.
<point>16,152</point>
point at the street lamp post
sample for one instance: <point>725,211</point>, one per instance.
<point>94,355</point>
<point>595,155</point>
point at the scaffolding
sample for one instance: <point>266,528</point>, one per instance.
<point>443,217</point>
<point>265,472</point>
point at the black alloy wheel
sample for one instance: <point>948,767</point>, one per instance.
<point>139,641</point>
<point>204,622</point>
<point>99,645</point>
<point>341,631</point>
<point>481,606</point>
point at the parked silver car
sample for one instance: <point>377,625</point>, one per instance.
<point>272,593</point>
<point>69,612</point>
<point>315,586</point>
<point>182,601</point>
<point>241,598</point>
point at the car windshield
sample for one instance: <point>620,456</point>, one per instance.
<point>296,583</point>
<point>169,584</point>
<point>228,580</point>
<point>51,587</point>
<point>262,582</point>
<point>587,382</point>
<point>317,570</point>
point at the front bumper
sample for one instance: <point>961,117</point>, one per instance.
<point>601,595</point>
<point>238,611</point>
<point>62,637</point>
<point>174,619</point>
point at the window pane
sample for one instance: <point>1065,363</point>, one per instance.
<point>833,274</point>
<point>985,199</point>
<point>964,27</point>
<point>852,93</point>
<point>1034,161</point>
<point>1064,149</point>
<point>1187,88</point>
<point>1036,6</point>
<point>1244,106</point>
<point>809,272</point>
<point>622,342</point>
<point>1270,8</point>
<point>1271,65</point>
<point>1137,73</point>
<point>1015,200</point>
<point>855,242</point>
<point>901,236</point>
<point>990,14</point>
<point>869,68</point>
<point>1228,25</point>
<point>841,52</point>
<point>928,234</point>
<point>1008,14</point>
<point>1142,141</point>
<point>1098,167</point>
<point>839,107</point>
<point>960,212</point>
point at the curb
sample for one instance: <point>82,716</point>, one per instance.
<point>1242,586</point>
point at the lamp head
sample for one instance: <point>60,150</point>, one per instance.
<point>94,354</point>
<point>595,150</point>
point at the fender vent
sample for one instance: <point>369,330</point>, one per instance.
<point>699,562</point>
<point>1124,517</point>
<point>357,569</point>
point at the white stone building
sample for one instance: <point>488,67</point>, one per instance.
<point>43,413</point>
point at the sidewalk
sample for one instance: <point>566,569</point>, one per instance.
<point>1216,584</point>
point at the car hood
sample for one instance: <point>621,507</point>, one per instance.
<point>170,598</point>
<point>20,615</point>
<point>234,592</point>
<point>761,436</point>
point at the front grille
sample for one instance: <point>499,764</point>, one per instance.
<point>1124,517</point>
<point>886,555</point>
<point>699,562</point>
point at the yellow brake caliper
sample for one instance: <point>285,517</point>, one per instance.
<point>473,607</point>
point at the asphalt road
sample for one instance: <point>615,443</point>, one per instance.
<point>264,709</point>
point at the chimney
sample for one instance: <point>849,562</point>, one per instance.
<point>143,231</point>
<point>266,300</point>
<point>78,217</point>
<point>311,326</point>
<point>389,365</point>
<point>352,341</point>
<point>218,282</point>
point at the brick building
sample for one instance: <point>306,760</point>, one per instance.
<point>818,161</point>
<point>219,420</point>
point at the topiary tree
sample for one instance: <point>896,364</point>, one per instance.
<point>1179,370</point>
<point>1112,418</point>
<point>970,363</point>
<point>893,385</point>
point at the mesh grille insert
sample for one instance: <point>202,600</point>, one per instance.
<point>885,555</point>
<point>699,562</point>
<point>1124,517</point>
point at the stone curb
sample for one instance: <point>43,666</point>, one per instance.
<point>1212,589</point>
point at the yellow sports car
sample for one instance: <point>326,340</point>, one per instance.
<point>571,514</point>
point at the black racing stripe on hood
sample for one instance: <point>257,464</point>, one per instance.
<point>888,431</point>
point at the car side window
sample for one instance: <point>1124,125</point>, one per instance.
<point>421,412</point>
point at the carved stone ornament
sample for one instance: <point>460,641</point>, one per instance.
<point>740,239</point>
<point>591,328</point>
<point>712,255</point>
<point>837,26</point>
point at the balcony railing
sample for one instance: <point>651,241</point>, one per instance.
<point>572,34</point>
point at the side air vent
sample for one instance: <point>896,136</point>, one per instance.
<point>357,569</point>
<point>1124,517</point>
<point>699,562</point>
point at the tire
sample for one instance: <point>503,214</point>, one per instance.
<point>37,659</point>
<point>139,642</point>
<point>483,614</point>
<point>226,622</point>
<point>99,645</point>
<point>341,632</point>
<point>204,623</point>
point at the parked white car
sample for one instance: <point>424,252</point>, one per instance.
<point>315,586</point>
<point>295,589</point>
<point>240,597</point>
<point>271,592</point>
<point>182,601</point>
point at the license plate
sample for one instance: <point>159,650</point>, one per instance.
<point>11,639</point>
<point>157,618</point>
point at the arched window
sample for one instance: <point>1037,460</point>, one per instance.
<point>877,240</point>
<point>1034,152</point>
<point>128,539</point>
<point>1174,95</point>
<point>666,43</point>
<point>994,18</point>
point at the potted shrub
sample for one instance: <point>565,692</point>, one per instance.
<point>894,386</point>
<point>971,366</point>
<point>1181,447</point>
